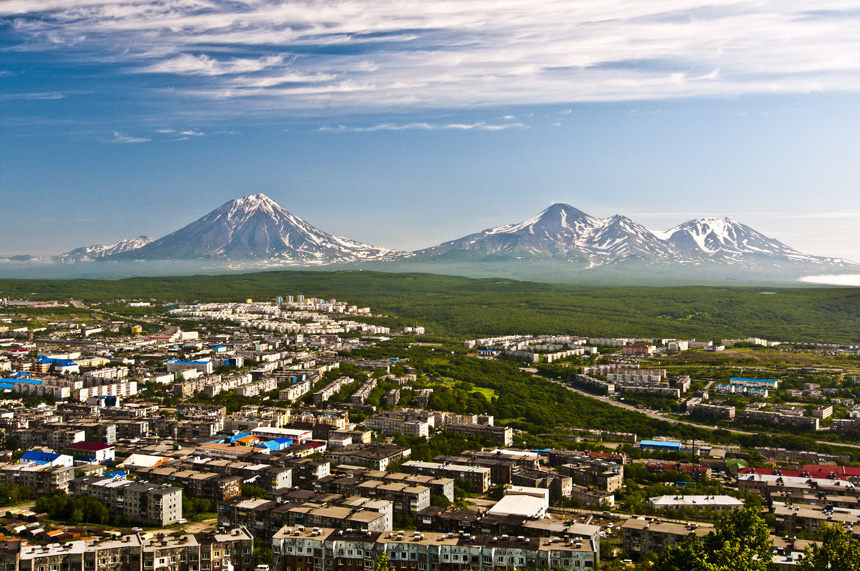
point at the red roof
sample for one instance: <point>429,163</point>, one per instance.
<point>818,472</point>
<point>89,446</point>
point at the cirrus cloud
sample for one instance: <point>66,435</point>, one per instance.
<point>332,56</point>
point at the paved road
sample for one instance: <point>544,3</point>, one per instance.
<point>657,416</point>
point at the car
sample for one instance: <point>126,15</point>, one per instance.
<point>137,529</point>
<point>183,520</point>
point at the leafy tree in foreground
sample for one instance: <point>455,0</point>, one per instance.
<point>837,552</point>
<point>382,563</point>
<point>740,542</point>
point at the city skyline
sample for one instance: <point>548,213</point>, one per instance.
<point>405,125</point>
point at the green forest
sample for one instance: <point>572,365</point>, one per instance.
<point>456,306</point>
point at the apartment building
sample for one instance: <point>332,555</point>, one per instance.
<point>42,479</point>
<point>304,549</point>
<point>138,501</point>
<point>503,434</point>
<point>391,424</point>
<point>264,518</point>
<point>478,477</point>
<point>645,535</point>
<point>331,389</point>
<point>373,456</point>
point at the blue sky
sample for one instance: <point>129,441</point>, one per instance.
<point>404,124</point>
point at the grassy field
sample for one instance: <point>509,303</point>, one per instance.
<point>458,306</point>
<point>489,393</point>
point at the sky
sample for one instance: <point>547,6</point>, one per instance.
<point>407,123</point>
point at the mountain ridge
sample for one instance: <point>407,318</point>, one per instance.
<point>255,229</point>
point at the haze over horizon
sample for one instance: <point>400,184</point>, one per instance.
<point>404,125</point>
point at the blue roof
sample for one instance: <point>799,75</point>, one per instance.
<point>660,444</point>
<point>22,381</point>
<point>117,474</point>
<point>36,456</point>
<point>271,445</point>
<point>754,380</point>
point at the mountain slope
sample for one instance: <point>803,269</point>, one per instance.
<point>96,252</point>
<point>257,228</point>
<point>561,232</point>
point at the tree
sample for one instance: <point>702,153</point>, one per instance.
<point>837,552</point>
<point>252,491</point>
<point>382,563</point>
<point>740,542</point>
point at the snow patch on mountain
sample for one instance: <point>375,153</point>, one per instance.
<point>255,227</point>
<point>96,252</point>
<point>562,231</point>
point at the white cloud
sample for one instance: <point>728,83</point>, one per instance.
<point>324,55</point>
<point>422,127</point>
<point>123,138</point>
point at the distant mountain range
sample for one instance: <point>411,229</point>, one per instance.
<point>89,253</point>
<point>562,232</point>
<point>255,230</point>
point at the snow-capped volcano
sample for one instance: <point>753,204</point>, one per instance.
<point>256,228</point>
<point>95,252</point>
<point>563,232</point>
<point>726,237</point>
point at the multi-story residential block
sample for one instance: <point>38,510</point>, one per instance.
<point>792,518</point>
<point>137,501</point>
<point>703,503</point>
<point>303,549</point>
<point>782,418</point>
<point>42,479</point>
<point>392,424</point>
<point>264,518</point>
<point>392,397</point>
<point>331,389</point>
<point>373,456</point>
<point>478,477</point>
<point>503,434</point>
<point>54,438</point>
<point>646,535</point>
<point>559,486</point>
<point>589,497</point>
<point>208,485</point>
<point>361,394</point>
